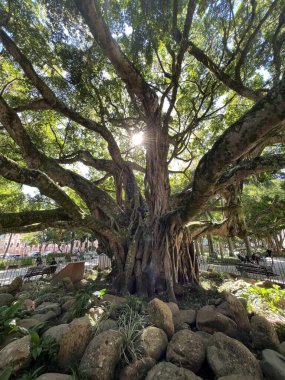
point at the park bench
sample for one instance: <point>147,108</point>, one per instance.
<point>256,269</point>
<point>40,271</point>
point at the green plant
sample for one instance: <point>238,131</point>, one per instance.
<point>270,296</point>
<point>85,299</point>
<point>31,374</point>
<point>6,374</point>
<point>131,323</point>
<point>7,318</point>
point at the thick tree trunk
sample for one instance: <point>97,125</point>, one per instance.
<point>212,252</point>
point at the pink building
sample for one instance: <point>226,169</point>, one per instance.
<point>17,246</point>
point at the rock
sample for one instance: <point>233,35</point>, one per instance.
<point>114,299</point>
<point>227,356</point>
<point>48,297</point>
<point>224,308</point>
<point>185,316</point>
<point>15,285</point>
<point>29,304</point>
<point>161,316</point>
<point>28,323</point>
<point>210,321</point>
<point>243,301</point>
<point>54,376</point>
<point>67,305</point>
<point>45,307</point>
<point>182,326</point>
<point>205,337</point>
<point>16,354</point>
<point>236,377</point>
<point>108,324</point>
<point>45,317</point>
<point>137,370</point>
<point>153,342</point>
<point>263,333</point>
<point>239,313</point>
<point>74,341</point>
<point>169,371</point>
<point>102,356</point>
<point>281,348</point>
<point>218,301</point>
<point>273,365</point>
<point>56,332</point>
<point>173,307</point>
<point>186,349</point>
<point>6,299</point>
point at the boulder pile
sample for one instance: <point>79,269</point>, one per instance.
<point>219,341</point>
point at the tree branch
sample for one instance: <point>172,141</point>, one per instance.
<point>254,166</point>
<point>222,75</point>
<point>91,12</point>
<point>236,141</point>
<point>12,171</point>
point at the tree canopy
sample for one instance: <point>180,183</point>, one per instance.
<point>200,81</point>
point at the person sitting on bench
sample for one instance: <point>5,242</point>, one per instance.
<point>269,253</point>
<point>53,262</point>
<point>255,258</point>
<point>39,261</point>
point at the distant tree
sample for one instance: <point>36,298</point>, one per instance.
<point>199,81</point>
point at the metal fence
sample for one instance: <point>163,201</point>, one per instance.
<point>228,265</point>
<point>14,269</point>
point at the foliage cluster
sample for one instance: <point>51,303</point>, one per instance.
<point>270,296</point>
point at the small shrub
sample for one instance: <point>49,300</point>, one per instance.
<point>270,296</point>
<point>85,299</point>
<point>7,319</point>
<point>131,324</point>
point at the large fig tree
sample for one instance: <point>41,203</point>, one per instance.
<point>200,82</point>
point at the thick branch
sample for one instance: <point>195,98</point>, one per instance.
<point>235,142</point>
<point>254,166</point>
<point>12,171</point>
<point>223,76</point>
<point>26,218</point>
<point>92,195</point>
<point>91,12</point>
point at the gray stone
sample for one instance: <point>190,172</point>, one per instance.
<point>45,317</point>
<point>263,333</point>
<point>273,365</point>
<point>6,299</point>
<point>108,324</point>
<point>227,356</point>
<point>102,356</point>
<point>54,376</point>
<point>281,348</point>
<point>169,371</point>
<point>138,369</point>
<point>17,354</point>
<point>45,307</point>
<point>186,349</point>
<point>56,332</point>
<point>161,316</point>
<point>205,337</point>
<point>28,323</point>
<point>74,341</point>
<point>185,316</point>
<point>173,307</point>
<point>153,342</point>
<point>236,377</point>
<point>210,321</point>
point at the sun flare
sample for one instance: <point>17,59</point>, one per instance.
<point>137,138</point>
